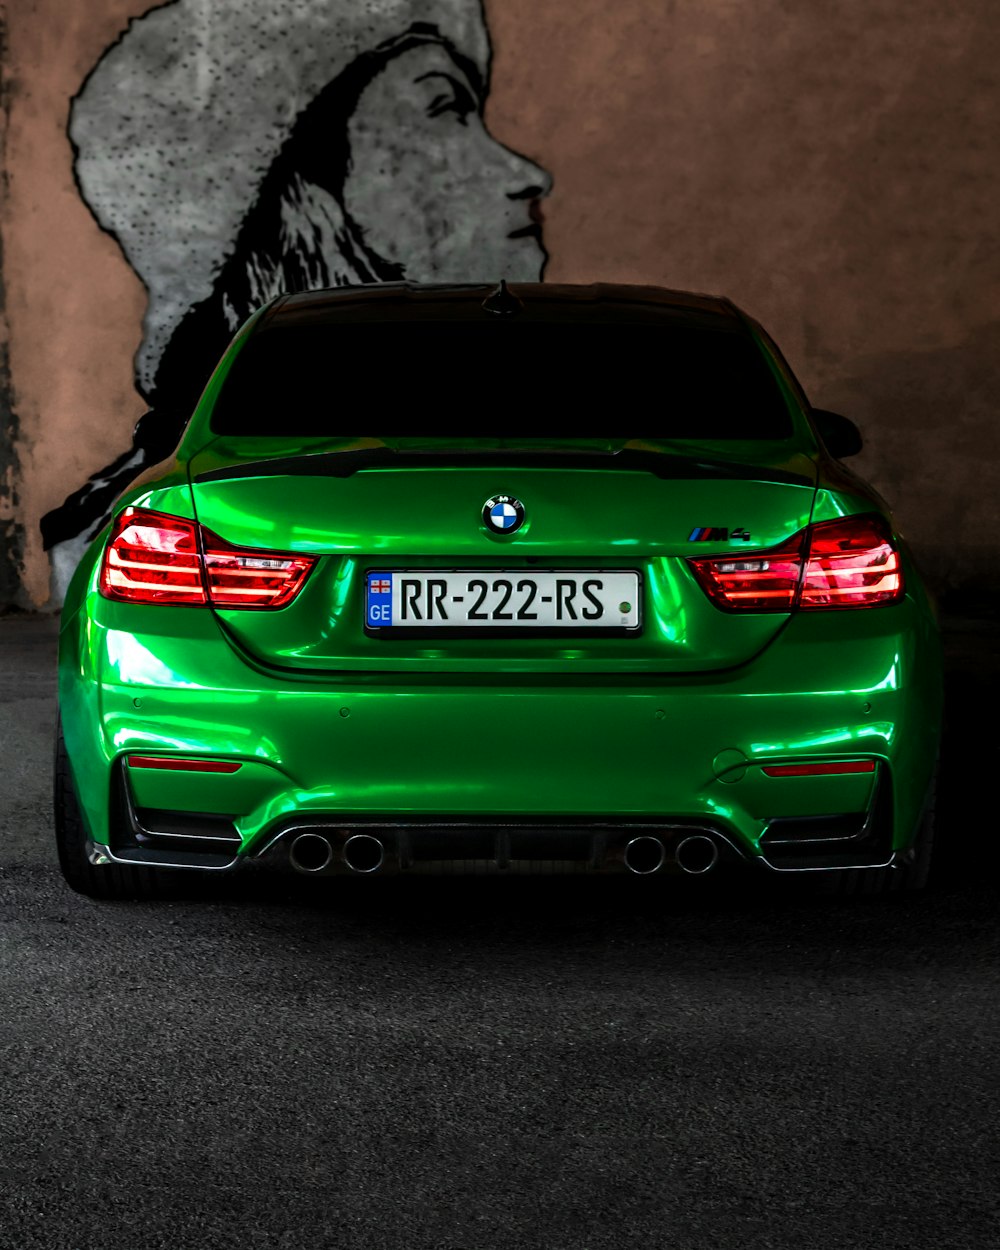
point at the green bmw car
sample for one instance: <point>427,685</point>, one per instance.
<point>501,652</point>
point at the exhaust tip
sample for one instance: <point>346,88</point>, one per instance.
<point>363,853</point>
<point>310,852</point>
<point>696,854</point>
<point>644,855</point>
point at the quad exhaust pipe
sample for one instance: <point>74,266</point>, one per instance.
<point>695,854</point>
<point>364,853</point>
<point>645,854</point>
<point>312,853</point>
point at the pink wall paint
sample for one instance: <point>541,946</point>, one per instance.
<point>74,307</point>
<point>834,169</point>
<point>831,168</point>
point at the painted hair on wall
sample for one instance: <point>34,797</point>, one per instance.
<point>238,149</point>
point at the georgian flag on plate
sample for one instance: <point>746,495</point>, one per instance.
<point>378,611</point>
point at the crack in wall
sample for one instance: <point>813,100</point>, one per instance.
<point>11,531</point>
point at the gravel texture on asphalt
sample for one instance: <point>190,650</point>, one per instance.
<point>464,1064</point>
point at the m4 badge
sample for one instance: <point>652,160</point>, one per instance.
<point>717,534</point>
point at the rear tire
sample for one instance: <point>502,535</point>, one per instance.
<point>104,881</point>
<point>910,870</point>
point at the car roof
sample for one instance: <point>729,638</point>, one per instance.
<point>602,302</point>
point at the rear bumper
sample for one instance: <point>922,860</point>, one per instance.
<point>326,850</point>
<point>323,848</point>
<point>603,754</point>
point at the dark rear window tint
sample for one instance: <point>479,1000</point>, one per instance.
<point>514,376</point>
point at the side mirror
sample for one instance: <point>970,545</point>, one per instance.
<point>840,435</point>
<point>158,432</point>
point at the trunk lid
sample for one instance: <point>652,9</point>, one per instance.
<point>595,505</point>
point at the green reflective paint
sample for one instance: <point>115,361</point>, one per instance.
<point>430,518</point>
<point>330,722</point>
<point>573,744</point>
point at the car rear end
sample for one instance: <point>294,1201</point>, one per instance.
<point>500,653</point>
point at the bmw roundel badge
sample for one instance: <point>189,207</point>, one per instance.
<point>503,514</point>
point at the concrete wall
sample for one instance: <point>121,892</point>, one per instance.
<point>832,167</point>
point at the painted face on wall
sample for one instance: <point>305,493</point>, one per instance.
<point>367,117</point>
<point>430,188</point>
<point>240,148</point>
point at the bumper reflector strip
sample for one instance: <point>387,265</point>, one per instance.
<point>179,765</point>
<point>820,770</point>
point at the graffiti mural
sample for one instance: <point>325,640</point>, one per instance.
<point>238,149</point>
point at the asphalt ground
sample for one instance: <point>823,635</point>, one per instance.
<point>469,1063</point>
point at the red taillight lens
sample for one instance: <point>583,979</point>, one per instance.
<point>154,558</point>
<point>848,563</point>
<point>242,577</point>
<point>852,564</point>
<point>764,581</point>
<point>174,764</point>
<point>833,769</point>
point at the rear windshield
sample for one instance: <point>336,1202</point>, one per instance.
<point>511,376</point>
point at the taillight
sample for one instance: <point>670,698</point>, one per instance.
<point>838,768</point>
<point>764,581</point>
<point>851,562</point>
<point>242,577</point>
<point>175,764</point>
<point>155,558</point>
<point>152,558</point>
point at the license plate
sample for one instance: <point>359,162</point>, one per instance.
<point>504,600</point>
